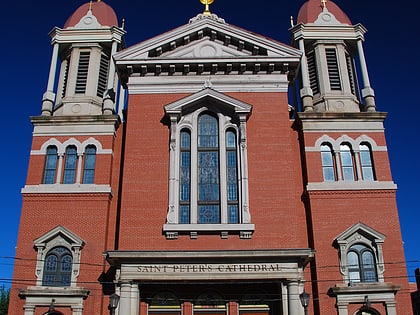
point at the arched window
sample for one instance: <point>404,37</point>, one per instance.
<point>232,177</point>
<point>70,165</point>
<point>89,165</point>
<point>366,162</point>
<point>361,264</point>
<point>57,267</point>
<point>185,178</point>
<point>50,165</point>
<point>208,169</point>
<point>328,168</point>
<point>347,166</point>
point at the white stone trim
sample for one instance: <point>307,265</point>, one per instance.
<point>66,189</point>
<point>345,138</point>
<point>216,102</point>
<point>81,146</point>
<point>222,83</point>
<point>59,236</point>
<point>360,233</point>
<point>351,185</point>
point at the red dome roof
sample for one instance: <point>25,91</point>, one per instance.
<point>104,14</point>
<point>311,9</point>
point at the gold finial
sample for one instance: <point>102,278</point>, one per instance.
<point>90,5</point>
<point>324,3</point>
<point>207,4</point>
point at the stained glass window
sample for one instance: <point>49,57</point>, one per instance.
<point>185,178</point>
<point>346,162</point>
<point>70,165</point>
<point>366,162</point>
<point>232,177</point>
<point>208,170</point>
<point>361,264</point>
<point>50,165</point>
<point>89,166</point>
<point>57,267</point>
<point>327,163</point>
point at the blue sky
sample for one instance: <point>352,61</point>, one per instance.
<point>390,49</point>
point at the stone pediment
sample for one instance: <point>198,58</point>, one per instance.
<point>207,44</point>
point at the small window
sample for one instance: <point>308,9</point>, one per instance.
<point>366,162</point>
<point>361,264</point>
<point>89,165</point>
<point>50,165</point>
<point>328,168</point>
<point>70,165</point>
<point>57,267</point>
<point>347,166</point>
<point>232,177</point>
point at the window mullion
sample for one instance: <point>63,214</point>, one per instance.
<point>194,175</point>
<point>223,174</point>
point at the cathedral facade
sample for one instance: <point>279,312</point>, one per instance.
<point>174,176</point>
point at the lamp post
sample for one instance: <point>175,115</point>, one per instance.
<point>113,303</point>
<point>304,300</point>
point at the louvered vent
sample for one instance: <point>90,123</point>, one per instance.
<point>333,73</point>
<point>352,79</point>
<point>313,75</point>
<point>65,77</point>
<point>82,72</point>
<point>103,76</point>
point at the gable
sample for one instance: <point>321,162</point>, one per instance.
<point>207,44</point>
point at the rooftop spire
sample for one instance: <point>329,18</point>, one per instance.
<point>206,8</point>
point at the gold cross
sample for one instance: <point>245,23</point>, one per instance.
<point>324,3</point>
<point>207,4</point>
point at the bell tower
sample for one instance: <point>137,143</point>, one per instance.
<point>332,56</point>
<point>87,81</point>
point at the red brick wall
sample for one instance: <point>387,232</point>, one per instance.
<point>275,183</point>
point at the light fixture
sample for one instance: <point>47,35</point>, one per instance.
<point>113,302</point>
<point>304,300</point>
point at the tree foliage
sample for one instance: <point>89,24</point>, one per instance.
<point>4,300</point>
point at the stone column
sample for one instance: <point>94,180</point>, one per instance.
<point>342,309</point>
<point>77,310</point>
<point>367,92</point>
<point>135,299</point>
<point>79,167</point>
<point>109,97</point>
<point>49,96</point>
<point>306,92</point>
<point>391,308</point>
<point>59,168</point>
<point>29,310</point>
<point>124,306</point>
<point>295,307</point>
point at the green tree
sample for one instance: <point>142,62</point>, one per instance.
<point>4,300</point>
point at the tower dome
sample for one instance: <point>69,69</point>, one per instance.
<point>311,9</point>
<point>104,14</point>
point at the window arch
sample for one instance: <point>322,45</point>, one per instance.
<point>366,162</point>
<point>50,165</point>
<point>361,264</point>
<point>89,165</point>
<point>347,164</point>
<point>58,267</point>
<point>70,165</point>
<point>328,167</point>
<point>208,182</point>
